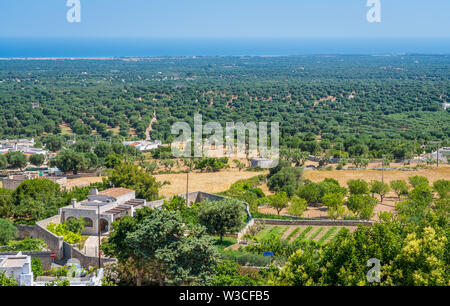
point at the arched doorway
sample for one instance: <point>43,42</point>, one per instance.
<point>88,222</point>
<point>104,226</point>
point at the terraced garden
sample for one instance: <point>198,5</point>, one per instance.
<point>320,234</point>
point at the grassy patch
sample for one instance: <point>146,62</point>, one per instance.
<point>316,233</point>
<point>293,233</point>
<point>227,241</point>
<point>284,231</point>
<point>328,234</point>
<point>303,234</point>
<point>275,230</point>
<point>263,232</point>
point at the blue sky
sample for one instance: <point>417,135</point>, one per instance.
<point>224,18</point>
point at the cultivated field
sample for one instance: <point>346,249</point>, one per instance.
<point>293,233</point>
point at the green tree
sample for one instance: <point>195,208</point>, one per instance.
<point>131,176</point>
<point>6,202</point>
<point>222,217</point>
<point>413,255</point>
<point>7,231</point>
<point>380,188</point>
<point>287,180</point>
<point>113,160</point>
<point>75,225</point>
<point>311,192</point>
<point>229,273</point>
<point>400,187</point>
<point>37,159</point>
<point>297,206</point>
<point>363,205</point>
<point>359,161</point>
<point>39,188</point>
<point>418,180</point>
<point>53,143</point>
<point>102,149</point>
<point>442,187</point>
<point>157,245</point>
<point>16,160</point>
<point>358,186</point>
<point>416,207</point>
<point>279,201</point>
<point>334,202</point>
<point>3,162</point>
<point>175,203</point>
<point>70,161</point>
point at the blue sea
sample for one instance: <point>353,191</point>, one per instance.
<point>134,47</point>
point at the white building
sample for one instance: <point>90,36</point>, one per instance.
<point>26,146</point>
<point>19,267</point>
<point>143,145</point>
<point>112,204</point>
<point>264,163</point>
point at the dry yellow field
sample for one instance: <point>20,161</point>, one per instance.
<point>207,182</point>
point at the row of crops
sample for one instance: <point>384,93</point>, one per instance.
<point>320,234</point>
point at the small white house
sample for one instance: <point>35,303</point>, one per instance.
<point>19,267</point>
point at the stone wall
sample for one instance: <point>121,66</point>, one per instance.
<point>11,184</point>
<point>39,230</point>
<point>88,261</point>
<point>314,222</point>
<point>245,229</point>
<point>195,197</point>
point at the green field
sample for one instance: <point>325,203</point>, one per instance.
<point>320,234</point>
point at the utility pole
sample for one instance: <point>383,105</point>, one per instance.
<point>382,169</point>
<point>189,166</point>
<point>437,151</point>
<point>99,239</point>
<point>187,186</point>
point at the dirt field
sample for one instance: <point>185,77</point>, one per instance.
<point>342,176</point>
<point>207,182</point>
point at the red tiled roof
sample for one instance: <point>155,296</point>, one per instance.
<point>115,192</point>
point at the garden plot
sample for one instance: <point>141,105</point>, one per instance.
<point>296,233</point>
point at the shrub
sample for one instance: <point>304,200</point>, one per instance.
<point>7,231</point>
<point>26,245</point>
<point>62,230</point>
<point>358,187</point>
<point>36,267</point>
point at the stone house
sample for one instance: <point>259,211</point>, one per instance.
<point>102,208</point>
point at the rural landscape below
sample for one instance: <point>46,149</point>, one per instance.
<point>225,151</point>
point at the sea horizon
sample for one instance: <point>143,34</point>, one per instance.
<point>110,48</point>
